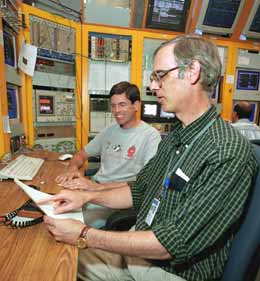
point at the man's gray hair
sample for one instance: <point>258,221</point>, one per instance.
<point>188,48</point>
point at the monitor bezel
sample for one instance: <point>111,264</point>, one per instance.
<point>246,30</point>
<point>15,92</point>
<point>155,119</point>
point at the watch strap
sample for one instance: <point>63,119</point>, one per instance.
<point>84,231</point>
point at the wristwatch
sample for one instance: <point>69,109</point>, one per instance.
<point>82,241</point>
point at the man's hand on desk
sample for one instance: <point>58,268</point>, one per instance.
<point>64,230</point>
<point>81,183</point>
<point>68,176</point>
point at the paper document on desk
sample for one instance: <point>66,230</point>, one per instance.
<point>36,196</point>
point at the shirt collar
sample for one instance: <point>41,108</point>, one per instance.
<point>243,120</point>
<point>186,135</point>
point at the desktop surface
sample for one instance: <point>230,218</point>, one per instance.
<point>31,253</point>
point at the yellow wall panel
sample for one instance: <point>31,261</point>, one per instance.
<point>4,139</point>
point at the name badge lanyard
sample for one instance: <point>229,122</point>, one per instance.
<point>166,180</point>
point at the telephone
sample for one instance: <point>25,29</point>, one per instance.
<point>26,215</point>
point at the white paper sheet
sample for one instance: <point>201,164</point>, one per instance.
<point>27,58</point>
<point>36,196</point>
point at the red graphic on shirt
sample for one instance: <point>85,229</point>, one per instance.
<point>131,151</point>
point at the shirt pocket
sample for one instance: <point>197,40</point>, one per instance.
<point>178,181</point>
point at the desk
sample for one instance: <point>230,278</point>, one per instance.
<point>31,253</point>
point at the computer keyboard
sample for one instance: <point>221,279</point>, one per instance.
<point>22,168</point>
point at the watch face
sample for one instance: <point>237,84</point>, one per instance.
<point>82,243</point>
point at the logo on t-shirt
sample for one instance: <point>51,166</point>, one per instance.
<point>131,151</point>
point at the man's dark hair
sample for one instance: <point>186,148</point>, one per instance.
<point>243,112</point>
<point>131,91</point>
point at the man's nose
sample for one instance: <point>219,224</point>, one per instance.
<point>154,86</point>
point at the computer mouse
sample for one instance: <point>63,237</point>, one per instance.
<point>65,156</point>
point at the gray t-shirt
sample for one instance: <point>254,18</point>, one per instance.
<point>123,152</point>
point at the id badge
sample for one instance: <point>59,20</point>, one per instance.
<point>152,211</point>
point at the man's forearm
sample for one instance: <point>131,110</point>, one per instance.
<point>110,185</point>
<point>142,244</point>
<point>121,198</point>
<point>77,161</point>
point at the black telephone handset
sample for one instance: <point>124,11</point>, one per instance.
<point>26,215</point>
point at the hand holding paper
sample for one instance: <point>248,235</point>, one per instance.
<point>45,202</point>
<point>64,201</point>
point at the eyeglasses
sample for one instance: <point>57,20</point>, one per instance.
<point>157,76</point>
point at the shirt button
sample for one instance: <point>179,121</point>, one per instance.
<point>177,152</point>
<point>186,146</point>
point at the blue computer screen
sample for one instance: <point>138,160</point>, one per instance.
<point>12,103</point>
<point>9,49</point>
<point>221,13</point>
<point>252,116</point>
<point>247,80</point>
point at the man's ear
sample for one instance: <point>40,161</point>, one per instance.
<point>234,117</point>
<point>194,72</point>
<point>136,105</point>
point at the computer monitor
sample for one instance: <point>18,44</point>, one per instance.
<point>219,16</point>
<point>247,80</point>
<point>167,14</point>
<point>167,115</point>
<point>252,26</point>
<point>149,110</point>
<point>46,104</point>
<point>13,103</point>
<point>254,107</point>
<point>10,48</point>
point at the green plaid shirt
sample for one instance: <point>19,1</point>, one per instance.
<point>195,213</point>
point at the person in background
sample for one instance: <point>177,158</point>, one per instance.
<point>240,120</point>
<point>189,195</point>
<point>124,148</point>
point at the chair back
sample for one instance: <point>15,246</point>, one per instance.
<point>255,141</point>
<point>243,261</point>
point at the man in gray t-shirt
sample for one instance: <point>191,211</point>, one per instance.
<point>124,148</point>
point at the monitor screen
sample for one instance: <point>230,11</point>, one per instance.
<point>13,105</point>
<point>46,105</point>
<point>221,13</point>
<point>219,16</point>
<point>164,114</point>
<point>253,113</point>
<point>9,49</point>
<point>167,14</point>
<point>247,80</point>
<point>150,109</point>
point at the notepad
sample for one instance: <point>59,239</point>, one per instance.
<point>48,209</point>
